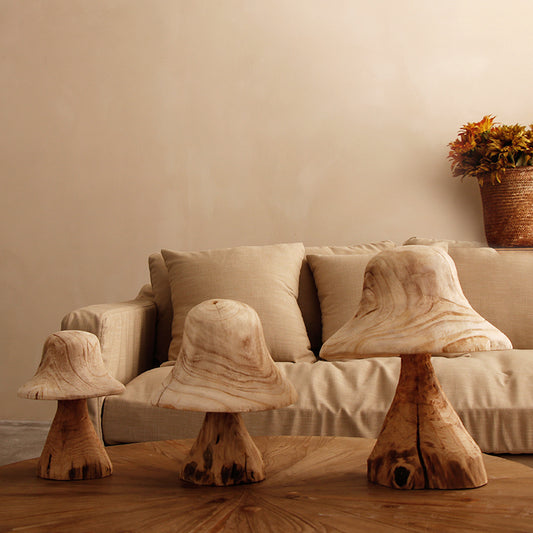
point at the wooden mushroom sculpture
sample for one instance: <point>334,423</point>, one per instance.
<point>413,305</point>
<point>71,371</point>
<point>224,368</point>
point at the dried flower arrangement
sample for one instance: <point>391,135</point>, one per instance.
<point>485,149</point>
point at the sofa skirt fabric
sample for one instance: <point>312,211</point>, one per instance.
<point>492,393</point>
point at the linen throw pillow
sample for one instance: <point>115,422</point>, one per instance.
<point>307,297</point>
<point>161,290</point>
<point>497,285</point>
<point>339,282</point>
<point>264,277</point>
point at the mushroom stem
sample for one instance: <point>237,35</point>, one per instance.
<point>423,443</point>
<point>223,453</point>
<point>72,449</point>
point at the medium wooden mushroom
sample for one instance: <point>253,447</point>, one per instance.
<point>224,368</point>
<point>413,305</point>
<point>72,370</point>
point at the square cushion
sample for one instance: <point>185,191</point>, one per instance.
<point>307,297</point>
<point>497,283</point>
<point>264,277</point>
<point>339,282</point>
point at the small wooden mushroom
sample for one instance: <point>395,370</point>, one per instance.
<point>413,305</point>
<point>224,368</point>
<point>72,370</point>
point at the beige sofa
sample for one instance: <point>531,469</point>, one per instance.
<point>491,391</point>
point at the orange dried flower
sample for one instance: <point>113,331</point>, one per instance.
<point>485,148</point>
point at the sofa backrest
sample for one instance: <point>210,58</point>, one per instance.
<point>307,293</point>
<point>496,282</point>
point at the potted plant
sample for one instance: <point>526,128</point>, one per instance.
<point>500,157</point>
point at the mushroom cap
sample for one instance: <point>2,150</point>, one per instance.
<point>412,302</point>
<point>224,364</point>
<point>71,368</point>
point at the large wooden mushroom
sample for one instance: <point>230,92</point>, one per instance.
<point>72,370</point>
<point>224,368</point>
<point>413,306</point>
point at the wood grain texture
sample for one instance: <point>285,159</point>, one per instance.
<point>423,443</point>
<point>224,364</point>
<point>313,484</point>
<point>223,454</point>
<point>72,450</point>
<point>412,302</point>
<point>71,368</point>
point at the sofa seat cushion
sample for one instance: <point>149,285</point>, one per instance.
<point>491,392</point>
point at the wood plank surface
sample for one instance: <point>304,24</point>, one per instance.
<point>312,484</point>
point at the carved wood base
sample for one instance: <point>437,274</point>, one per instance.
<point>223,453</point>
<point>72,450</point>
<point>423,443</point>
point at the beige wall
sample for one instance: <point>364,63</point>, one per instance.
<point>131,125</point>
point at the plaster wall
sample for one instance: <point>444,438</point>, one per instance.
<point>131,125</point>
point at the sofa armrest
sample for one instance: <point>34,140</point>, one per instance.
<point>126,331</point>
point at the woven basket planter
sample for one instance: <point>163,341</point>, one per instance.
<point>508,209</point>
